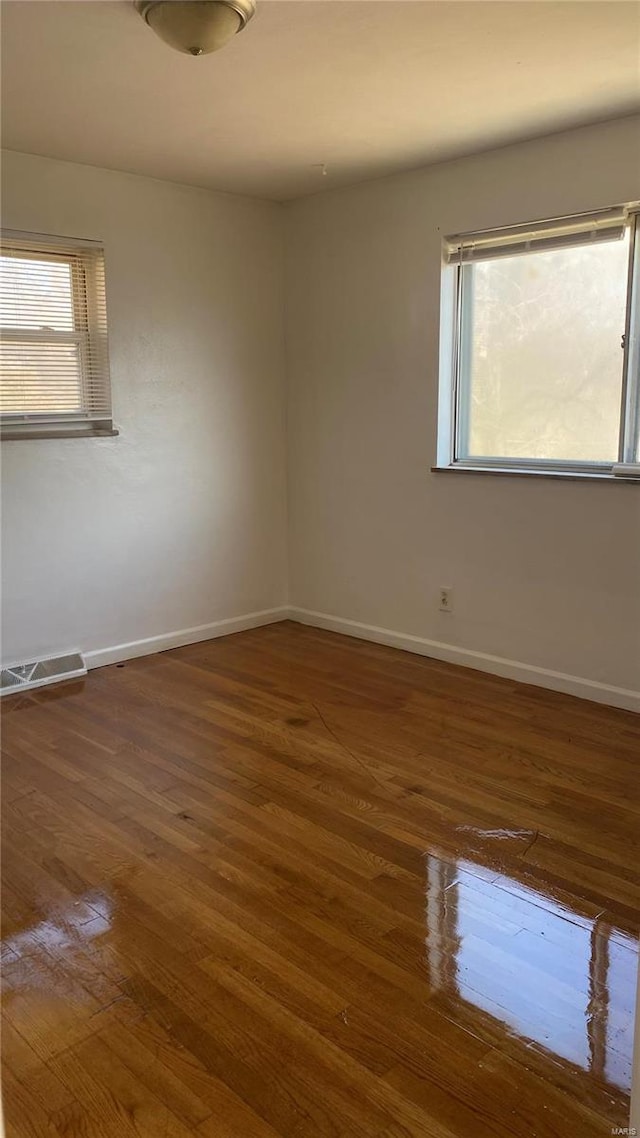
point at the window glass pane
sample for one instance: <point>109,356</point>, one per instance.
<point>36,294</point>
<point>40,378</point>
<point>541,354</point>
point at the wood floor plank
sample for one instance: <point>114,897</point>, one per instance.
<point>285,884</point>
<point>111,1099</point>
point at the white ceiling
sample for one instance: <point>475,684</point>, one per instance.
<point>365,86</point>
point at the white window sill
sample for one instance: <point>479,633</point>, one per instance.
<point>529,472</point>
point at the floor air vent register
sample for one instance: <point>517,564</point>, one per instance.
<point>24,677</point>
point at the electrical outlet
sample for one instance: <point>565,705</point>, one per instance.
<point>446,599</point>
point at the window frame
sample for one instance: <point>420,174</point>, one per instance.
<point>455,338</point>
<point>89,334</point>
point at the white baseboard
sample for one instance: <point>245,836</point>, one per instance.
<point>466,657</point>
<point>119,652</point>
<point>482,661</point>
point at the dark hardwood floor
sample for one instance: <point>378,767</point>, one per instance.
<point>291,884</point>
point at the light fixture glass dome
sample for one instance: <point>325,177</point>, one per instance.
<point>196,27</point>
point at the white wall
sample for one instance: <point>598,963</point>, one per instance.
<point>181,520</point>
<point>545,572</point>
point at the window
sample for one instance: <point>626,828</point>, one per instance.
<point>542,370</point>
<point>54,368</point>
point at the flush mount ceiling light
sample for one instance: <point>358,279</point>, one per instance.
<point>196,27</point>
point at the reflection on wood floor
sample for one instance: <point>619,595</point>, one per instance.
<point>288,883</point>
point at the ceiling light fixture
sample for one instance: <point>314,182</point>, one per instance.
<point>196,27</point>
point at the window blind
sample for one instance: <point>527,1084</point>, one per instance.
<point>54,365</point>
<point>605,225</point>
